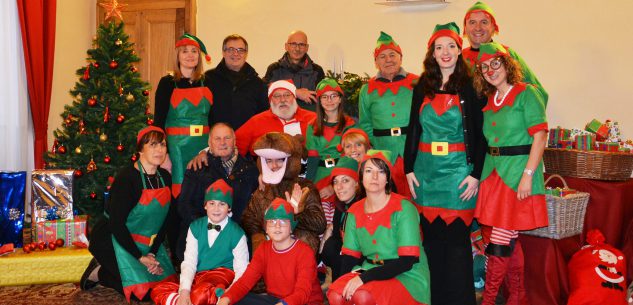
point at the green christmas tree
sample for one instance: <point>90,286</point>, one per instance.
<point>98,135</point>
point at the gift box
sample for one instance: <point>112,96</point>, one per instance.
<point>12,190</point>
<point>67,229</point>
<point>608,146</point>
<point>585,141</point>
<point>63,265</point>
<point>614,131</point>
<point>601,130</point>
<point>567,144</point>
<point>553,191</point>
<point>52,195</point>
<point>556,135</point>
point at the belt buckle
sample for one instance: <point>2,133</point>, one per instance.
<point>439,148</point>
<point>378,262</point>
<point>151,240</point>
<point>195,130</point>
<point>396,132</point>
<point>329,162</point>
<point>494,151</point>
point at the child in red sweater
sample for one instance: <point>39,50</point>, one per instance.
<point>287,265</point>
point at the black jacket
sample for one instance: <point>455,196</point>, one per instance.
<point>306,75</point>
<point>472,120</point>
<point>237,96</point>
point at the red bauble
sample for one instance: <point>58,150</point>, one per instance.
<point>59,242</point>
<point>106,159</point>
<point>120,118</point>
<point>150,121</point>
<point>113,64</point>
<point>52,246</point>
<point>67,122</point>
<point>93,195</point>
<point>62,149</point>
<point>27,249</point>
<point>33,245</point>
<point>41,245</point>
<point>78,173</point>
<point>120,148</point>
<point>134,158</point>
<point>96,65</point>
<point>145,92</point>
<point>133,68</point>
<point>92,102</point>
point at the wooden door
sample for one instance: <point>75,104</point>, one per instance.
<point>154,26</point>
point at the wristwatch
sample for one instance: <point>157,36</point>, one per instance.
<point>528,172</point>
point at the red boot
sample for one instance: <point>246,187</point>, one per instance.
<point>498,262</point>
<point>515,278</point>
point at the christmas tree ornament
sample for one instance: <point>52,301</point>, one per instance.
<point>82,127</point>
<point>106,114</point>
<point>134,158</point>
<point>133,69</point>
<point>92,102</point>
<point>103,137</point>
<point>118,42</point>
<point>78,150</point>
<point>129,97</point>
<point>67,122</point>
<point>54,148</point>
<point>113,64</point>
<point>27,249</point>
<point>120,118</point>
<point>78,173</point>
<point>150,121</point>
<point>59,242</point>
<point>145,92</point>
<point>107,159</point>
<point>41,245</point>
<point>112,9</point>
<point>86,73</point>
<point>120,90</point>
<point>96,65</point>
<point>52,246</point>
<point>62,149</point>
<point>120,147</point>
<point>92,166</point>
<point>147,112</point>
<point>93,195</point>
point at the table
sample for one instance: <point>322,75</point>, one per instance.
<point>610,209</point>
<point>64,265</point>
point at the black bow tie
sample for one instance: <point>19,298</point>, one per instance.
<point>214,227</point>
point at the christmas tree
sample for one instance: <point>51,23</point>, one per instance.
<point>110,105</point>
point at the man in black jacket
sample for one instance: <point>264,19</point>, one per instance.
<point>297,65</point>
<point>238,92</point>
<point>223,163</point>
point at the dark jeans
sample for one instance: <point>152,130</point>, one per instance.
<point>258,299</point>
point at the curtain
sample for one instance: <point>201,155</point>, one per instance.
<point>37,22</point>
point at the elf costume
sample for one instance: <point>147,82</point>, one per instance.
<point>323,151</point>
<point>216,256</point>
<point>384,108</point>
<point>509,126</point>
<point>470,54</point>
<point>187,116</point>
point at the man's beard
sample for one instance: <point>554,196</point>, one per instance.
<point>286,114</point>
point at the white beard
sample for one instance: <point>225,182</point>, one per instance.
<point>285,114</point>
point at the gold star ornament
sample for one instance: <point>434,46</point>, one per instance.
<point>113,9</point>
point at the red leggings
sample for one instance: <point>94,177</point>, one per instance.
<point>202,289</point>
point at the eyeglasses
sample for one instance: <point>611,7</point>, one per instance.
<point>279,96</point>
<point>275,222</point>
<point>232,50</point>
<point>299,45</point>
<point>495,64</point>
<point>331,97</point>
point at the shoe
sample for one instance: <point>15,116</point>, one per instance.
<point>85,283</point>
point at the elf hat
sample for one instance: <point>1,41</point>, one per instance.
<point>327,84</point>
<point>491,50</point>
<point>287,84</point>
<point>190,40</point>
<point>352,131</point>
<point>482,7</point>
<point>450,30</point>
<point>281,209</point>
<point>220,191</point>
<point>385,42</point>
<point>345,166</point>
<point>147,129</point>
<point>384,155</point>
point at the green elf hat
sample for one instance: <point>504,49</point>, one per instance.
<point>384,155</point>
<point>450,30</point>
<point>328,84</point>
<point>345,166</point>
<point>491,50</point>
<point>190,40</point>
<point>385,42</point>
<point>220,191</point>
<point>281,209</point>
<point>482,7</point>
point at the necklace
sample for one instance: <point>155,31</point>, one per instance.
<point>503,98</point>
<point>148,178</point>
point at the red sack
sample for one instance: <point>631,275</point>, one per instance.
<point>597,274</point>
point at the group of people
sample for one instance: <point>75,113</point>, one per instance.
<point>273,169</point>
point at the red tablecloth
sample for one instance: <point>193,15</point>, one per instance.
<point>610,209</point>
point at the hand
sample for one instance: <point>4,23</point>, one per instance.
<point>295,197</point>
<point>185,298</point>
<point>306,95</point>
<point>224,301</point>
<point>166,165</point>
<point>525,187</point>
<point>471,189</point>
<point>412,181</point>
<point>261,185</point>
<point>351,286</point>
<point>198,161</point>
<point>153,266</point>
<point>326,192</point>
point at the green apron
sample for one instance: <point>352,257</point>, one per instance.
<point>187,128</point>
<point>144,222</point>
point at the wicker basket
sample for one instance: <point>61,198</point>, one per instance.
<point>566,215</point>
<point>600,165</point>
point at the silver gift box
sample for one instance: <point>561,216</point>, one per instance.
<point>52,190</point>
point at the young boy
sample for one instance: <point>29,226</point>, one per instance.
<point>215,256</point>
<point>286,263</point>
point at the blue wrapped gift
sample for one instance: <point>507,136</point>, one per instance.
<point>12,187</point>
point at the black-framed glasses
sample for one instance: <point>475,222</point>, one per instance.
<point>331,97</point>
<point>495,64</point>
<point>299,45</point>
<point>232,50</point>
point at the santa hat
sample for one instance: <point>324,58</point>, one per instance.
<point>268,176</point>
<point>287,84</point>
<point>482,7</point>
<point>281,209</point>
<point>345,166</point>
<point>491,50</point>
<point>384,155</point>
<point>220,191</point>
<point>328,84</point>
<point>352,131</point>
<point>190,40</point>
<point>450,30</point>
<point>147,129</point>
<point>385,42</point>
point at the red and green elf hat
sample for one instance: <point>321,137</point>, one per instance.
<point>450,30</point>
<point>384,155</point>
<point>351,131</point>
<point>482,7</point>
<point>281,209</point>
<point>345,166</point>
<point>385,42</point>
<point>190,40</point>
<point>491,50</point>
<point>147,129</point>
<point>328,84</point>
<point>220,191</point>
